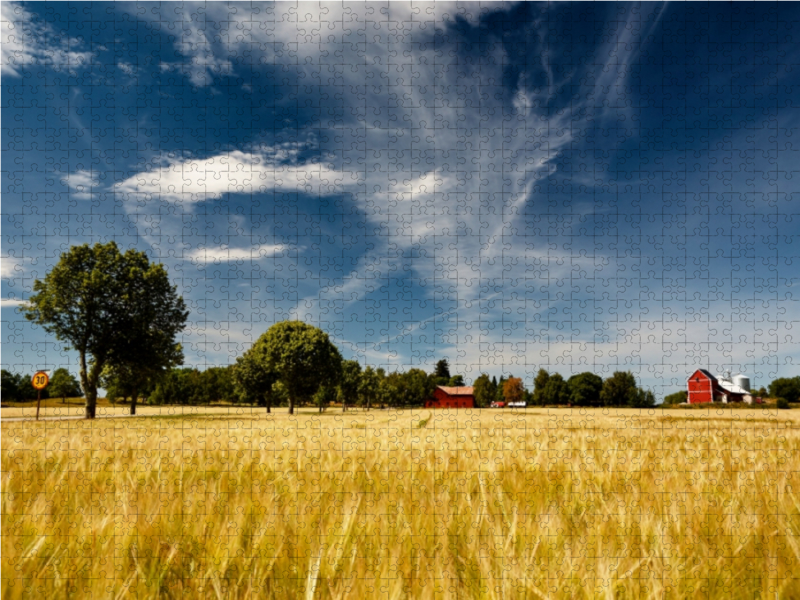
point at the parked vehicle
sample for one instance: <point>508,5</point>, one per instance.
<point>498,405</point>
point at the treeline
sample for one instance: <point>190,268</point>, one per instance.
<point>16,387</point>
<point>244,383</point>
<point>583,389</point>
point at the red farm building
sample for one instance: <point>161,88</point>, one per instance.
<point>702,387</point>
<point>451,397</point>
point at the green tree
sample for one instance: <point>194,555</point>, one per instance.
<point>620,390</point>
<point>456,381</point>
<point>369,387</point>
<point>64,384</point>
<point>442,369</point>
<point>483,391</point>
<point>643,399</point>
<point>348,383</point>
<point>584,389</point>
<point>513,390</point>
<point>11,386</point>
<point>324,395</point>
<point>132,377</point>
<point>303,358</point>
<point>112,308</point>
<point>416,387</point>
<point>539,383</point>
<point>786,387</point>
<point>676,398</point>
<point>499,395</point>
<point>252,378</point>
<point>383,392</point>
<point>556,390</point>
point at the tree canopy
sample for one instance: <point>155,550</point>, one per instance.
<point>113,308</point>
<point>584,389</point>
<point>302,357</point>
<point>619,390</point>
<point>513,390</point>
<point>484,391</point>
<point>787,388</point>
<point>63,384</point>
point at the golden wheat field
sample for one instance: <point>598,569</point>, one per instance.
<point>558,503</point>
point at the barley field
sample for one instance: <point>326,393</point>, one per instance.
<point>561,503</point>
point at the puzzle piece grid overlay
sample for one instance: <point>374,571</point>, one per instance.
<point>572,188</point>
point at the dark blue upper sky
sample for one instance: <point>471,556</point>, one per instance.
<point>569,186</point>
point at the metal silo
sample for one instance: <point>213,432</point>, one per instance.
<point>743,381</point>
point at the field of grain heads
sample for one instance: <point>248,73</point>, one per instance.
<point>415,504</point>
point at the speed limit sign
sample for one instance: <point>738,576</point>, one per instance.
<point>40,380</point>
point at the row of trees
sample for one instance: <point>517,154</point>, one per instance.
<point>249,381</point>
<point>16,387</point>
<point>584,389</point>
<point>122,315</point>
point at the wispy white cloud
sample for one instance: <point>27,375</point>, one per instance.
<point>11,302</point>
<point>189,181</point>
<point>228,254</point>
<point>27,41</point>
<point>8,268</point>
<point>82,184</point>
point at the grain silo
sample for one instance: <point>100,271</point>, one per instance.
<point>743,381</point>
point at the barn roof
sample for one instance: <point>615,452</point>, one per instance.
<point>707,374</point>
<point>732,387</point>
<point>462,390</point>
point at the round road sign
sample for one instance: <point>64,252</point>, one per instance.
<point>40,380</point>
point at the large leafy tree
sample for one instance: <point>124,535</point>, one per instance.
<point>252,377</point>
<point>348,383</point>
<point>12,387</point>
<point>484,391</point>
<point>513,391</point>
<point>539,383</point>
<point>442,369</point>
<point>64,384</point>
<point>584,389</point>
<point>786,387</point>
<point>132,375</point>
<point>643,399</point>
<point>456,381</point>
<point>113,308</point>
<point>620,390</point>
<point>303,357</point>
<point>369,388</point>
<point>556,390</point>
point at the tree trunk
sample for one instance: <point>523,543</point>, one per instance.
<point>91,404</point>
<point>89,384</point>
<point>291,405</point>
<point>134,397</point>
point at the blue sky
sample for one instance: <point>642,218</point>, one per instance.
<point>569,186</point>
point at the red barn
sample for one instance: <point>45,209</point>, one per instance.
<point>451,397</point>
<point>702,387</point>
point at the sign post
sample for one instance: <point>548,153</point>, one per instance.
<point>39,380</point>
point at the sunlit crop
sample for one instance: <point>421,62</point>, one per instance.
<point>412,504</point>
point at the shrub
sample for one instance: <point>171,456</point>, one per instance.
<point>783,403</point>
